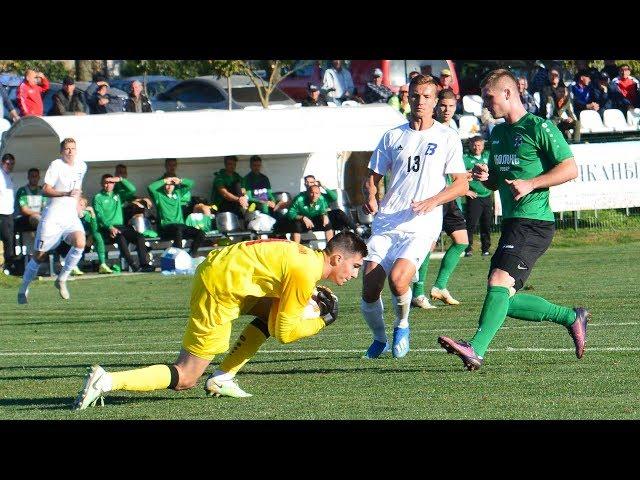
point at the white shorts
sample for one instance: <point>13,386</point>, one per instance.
<point>52,230</point>
<point>386,248</point>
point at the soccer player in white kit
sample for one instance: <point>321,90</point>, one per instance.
<point>409,218</point>
<point>60,220</point>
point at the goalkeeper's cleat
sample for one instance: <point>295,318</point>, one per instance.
<point>376,349</point>
<point>578,330</point>
<point>23,295</point>
<point>76,271</point>
<point>400,342</point>
<point>92,390</point>
<point>61,285</point>
<point>464,350</point>
<point>227,388</point>
<point>423,302</point>
<point>104,268</point>
<point>444,295</point>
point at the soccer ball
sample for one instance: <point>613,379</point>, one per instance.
<point>311,310</point>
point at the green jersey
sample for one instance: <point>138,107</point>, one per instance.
<point>200,221</point>
<point>301,205</point>
<point>526,149</point>
<point>186,196</point>
<point>223,179</point>
<point>108,205</point>
<point>477,186</point>
<point>32,199</point>
<point>89,223</point>
<point>170,206</point>
<point>126,191</point>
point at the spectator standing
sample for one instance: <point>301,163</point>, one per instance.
<point>7,205</point>
<point>137,101</point>
<point>68,100</point>
<point>540,79</point>
<point>337,84</point>
<point>527,99</point>
<point>375,91</point>
<point>446,82</point>
<point>628,86</point>
<point>228,193</point>
<point>314,98</point>
<point>401,101</point>
<point>30,201</point>
<point>583,94</point>
<point>479,199</point>
<point>30,93</point>
<point>563,115</point>
<point>8,104</point>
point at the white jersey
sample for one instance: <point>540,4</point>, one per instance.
<point>419,161</point>
<point>64,178</point>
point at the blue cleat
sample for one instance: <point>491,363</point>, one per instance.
<point>400,342</point>
<point>376,349</point>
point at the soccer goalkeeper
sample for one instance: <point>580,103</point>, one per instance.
<point>270,279</point>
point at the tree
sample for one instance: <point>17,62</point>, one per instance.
<point>84,70</point>
<point>226,68</point>
<point>277,70</point>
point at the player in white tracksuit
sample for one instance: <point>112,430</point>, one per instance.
<point>409,218</point>
<point>63,183</point>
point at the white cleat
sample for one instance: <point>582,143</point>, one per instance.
<point>423,302</point>
<point>444,295</point>
<point>23,296</point>
<point>62,288</point>
<point>227,388</point>
<point>92,390</point>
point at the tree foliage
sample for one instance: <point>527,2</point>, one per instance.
<point>54,71</point>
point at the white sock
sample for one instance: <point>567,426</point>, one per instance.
<point>373,314</point>
<point>401,306</point>
<point>29,274</point>
<point>70,262</point>
<point>220,376</point>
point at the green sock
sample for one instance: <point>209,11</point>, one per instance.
<point>537,309</point>
<point>494,311</point>
<point>418,287</point>
<point>449,264</point>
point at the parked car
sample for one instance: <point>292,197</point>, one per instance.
<point>55,87</point>
<point>210,92</point>
<point>155,83</point>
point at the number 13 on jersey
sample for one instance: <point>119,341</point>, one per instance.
<point>413,163</point>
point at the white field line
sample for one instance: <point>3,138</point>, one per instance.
<point>360,351</point>
<point>366,333</point>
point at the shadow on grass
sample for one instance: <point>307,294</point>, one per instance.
<point>65,403</point>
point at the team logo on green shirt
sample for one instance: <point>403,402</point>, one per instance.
<point>517,140</point>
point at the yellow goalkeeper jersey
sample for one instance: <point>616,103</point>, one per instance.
<point>261,268</point>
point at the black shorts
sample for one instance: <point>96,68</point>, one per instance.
<point>522,243</point>
<point>452,218</point>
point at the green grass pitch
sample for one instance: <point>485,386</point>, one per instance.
<point>531,372</point>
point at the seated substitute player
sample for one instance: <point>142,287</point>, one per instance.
<point>308,212</point>
<point>272,279</point>
<point>63,183</point>
<point>528,155</point>
<point>418,155</point>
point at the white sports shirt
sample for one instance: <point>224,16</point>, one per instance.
<point>64,178</point>
<point>418,161</point>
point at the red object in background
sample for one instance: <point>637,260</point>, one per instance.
<point>395,73</point>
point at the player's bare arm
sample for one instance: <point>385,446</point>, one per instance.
<point>561,173</point>
<point>458,188</point>
<point>49,191</point>
<point>370,190</point>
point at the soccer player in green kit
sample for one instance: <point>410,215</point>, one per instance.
<point>528,155</point>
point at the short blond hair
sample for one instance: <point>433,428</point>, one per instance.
<point>496,76</point>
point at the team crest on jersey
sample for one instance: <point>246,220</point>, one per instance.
<point>399,147</point>
<point>517,141</point>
